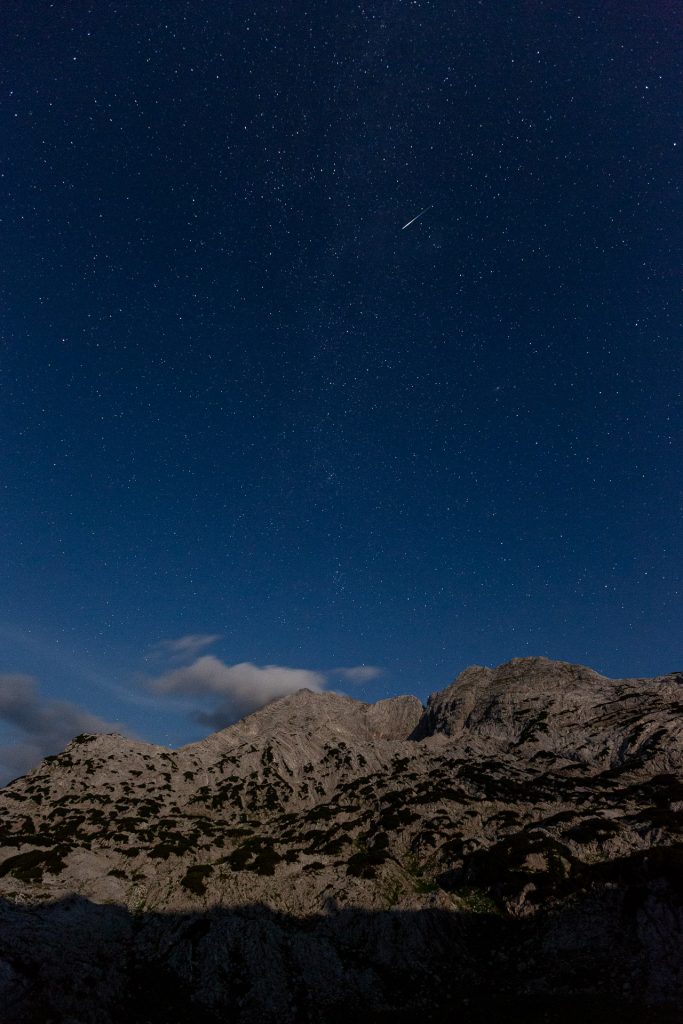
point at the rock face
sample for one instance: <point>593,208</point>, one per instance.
<point>511,852</point>
<point>541,707</point>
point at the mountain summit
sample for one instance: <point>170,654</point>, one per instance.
<point>538,804</point>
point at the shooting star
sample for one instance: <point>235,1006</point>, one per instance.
<point>416,218</point>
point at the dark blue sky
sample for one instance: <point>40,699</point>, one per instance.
<point>238,400</point>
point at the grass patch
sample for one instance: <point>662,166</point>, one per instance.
<point>477,901</point>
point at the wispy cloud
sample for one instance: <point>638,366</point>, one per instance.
<point>185,647</point>
<point>225,693</point>
<point>207,689</point>
<point>358,673</point>
<point>235,690</point>
<point>41,726</point>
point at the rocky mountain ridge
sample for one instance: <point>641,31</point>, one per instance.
<point>538,796</point>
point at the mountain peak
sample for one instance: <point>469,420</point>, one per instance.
<point>313,717</point>
<point>533,786</point>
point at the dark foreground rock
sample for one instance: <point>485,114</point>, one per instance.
<point>611,956</point>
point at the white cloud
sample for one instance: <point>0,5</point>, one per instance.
<point>184,647</point>
<point>235,690</point>
<point>41,726</point>
<point>359,673</point>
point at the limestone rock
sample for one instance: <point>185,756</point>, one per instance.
<point>518,840</point>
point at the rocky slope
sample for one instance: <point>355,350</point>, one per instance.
<point>517,844</point>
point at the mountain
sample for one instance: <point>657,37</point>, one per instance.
<point>513,851</point>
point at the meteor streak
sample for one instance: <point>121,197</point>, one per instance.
<point>416,218</point>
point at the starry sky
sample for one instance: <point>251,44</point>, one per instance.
<point>255,433</point>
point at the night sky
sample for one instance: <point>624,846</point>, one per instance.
<point>248,419</point>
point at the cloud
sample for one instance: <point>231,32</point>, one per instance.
<point>184,647</point>
<point>42,726</point>
<point>235,690</point>
<point>359,673</point>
